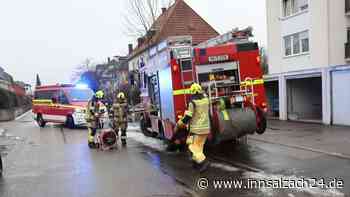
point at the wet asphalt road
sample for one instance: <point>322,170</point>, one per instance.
<point>55,161</point>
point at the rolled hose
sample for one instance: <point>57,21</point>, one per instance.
<point>236,122</point>
<point>108,138</point>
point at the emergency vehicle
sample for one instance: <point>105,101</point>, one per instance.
<point>61,103</point>
<point>229,72</point>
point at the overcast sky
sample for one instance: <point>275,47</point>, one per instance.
<point>52,37</point>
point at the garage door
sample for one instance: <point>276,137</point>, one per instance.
<point>341,97</point>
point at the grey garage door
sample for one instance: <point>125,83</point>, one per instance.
<point>341,97</point>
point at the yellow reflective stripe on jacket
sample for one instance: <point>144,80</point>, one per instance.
<point>188,113</point>
<point>252,82</point>
<point>225,114</point>
<point>181,92</point>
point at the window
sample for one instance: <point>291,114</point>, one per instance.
<point>62,99</point>
<point>302,5</point>
<point>291,7</point>
<point>76,95</point>
<point>186,65</point>
<point>45,95</point>
<point>287,45</point>
<point>304,37</point>
<point>144,79</point>
<point>296,43</point>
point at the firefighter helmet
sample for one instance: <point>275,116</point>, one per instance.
<point>99,94</point>
<point>196,88</point>
<point>121,95</point>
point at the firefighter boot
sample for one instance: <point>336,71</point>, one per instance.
<point>123,137</point>
<point>203,166</point>
<point>91,138</point>
<point>196,145</point>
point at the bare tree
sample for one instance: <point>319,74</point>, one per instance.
<point>86,65</point>
<point>141,14</point>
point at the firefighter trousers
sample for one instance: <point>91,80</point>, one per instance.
<point>122,126</point>
<point>92,133</point>
<point>196,144</point>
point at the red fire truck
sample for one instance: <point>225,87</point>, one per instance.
<point>230,73</point>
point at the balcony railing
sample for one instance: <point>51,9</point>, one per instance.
<point>347,6</point>
<point>347,50</point>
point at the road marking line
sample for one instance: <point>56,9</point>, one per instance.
<point>24,114</point>
<point>340,155</point>
<point>225,167</point>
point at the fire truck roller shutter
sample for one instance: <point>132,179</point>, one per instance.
<point>166,94</point>
<point>236,122</point>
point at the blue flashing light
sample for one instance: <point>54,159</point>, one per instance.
<point>82,86</point>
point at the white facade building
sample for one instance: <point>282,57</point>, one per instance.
<point>309,76</point>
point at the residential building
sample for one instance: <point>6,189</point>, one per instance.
<point>309,51</point>
<point>178,20</point>
<point>113,76</point>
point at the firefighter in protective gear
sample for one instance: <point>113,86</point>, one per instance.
<point>197,117</point>
<point>120,116</point>
<point>93,113</point>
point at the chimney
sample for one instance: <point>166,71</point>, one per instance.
<point>130,47</point>
<point>163,10</point>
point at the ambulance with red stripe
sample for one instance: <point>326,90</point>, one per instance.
<point>61,103</point>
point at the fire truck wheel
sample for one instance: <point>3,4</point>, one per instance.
<point>143,126</point>
<point>41,122</point>
<point>161,131</point>
<point>262,124</point>
<point>70,122</point>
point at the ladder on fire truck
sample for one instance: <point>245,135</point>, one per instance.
<point>235,35</point>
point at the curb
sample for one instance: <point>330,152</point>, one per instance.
<point>334,154</point>
<point>24,114</point>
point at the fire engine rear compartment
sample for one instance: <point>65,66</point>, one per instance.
<point>224,76</point>
<point>221,80</point>
<point>220,77</point>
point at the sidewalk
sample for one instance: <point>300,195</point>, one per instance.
<point>331,140</point>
